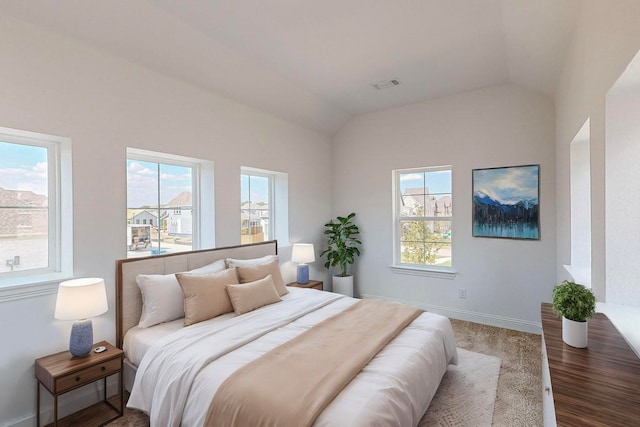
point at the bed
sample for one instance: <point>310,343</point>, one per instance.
<point>174,371</point>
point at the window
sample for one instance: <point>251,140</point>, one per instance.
<point>256,206</point>
<point>264,206</point>
<point>422,218</point>
<point>35,208</point>
<point>165,203</point>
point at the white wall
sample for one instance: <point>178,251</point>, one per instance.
<point>605,41</point>
<point>623,199</point>
<point>54,85</point>
<point>606,38</point>
<point>498,126</point>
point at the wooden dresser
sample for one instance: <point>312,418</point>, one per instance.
<point>594,386</point>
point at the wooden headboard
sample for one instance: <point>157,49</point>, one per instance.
<point>128,296</point>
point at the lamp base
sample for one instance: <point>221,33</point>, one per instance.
<point>81,339</point>
<point>303,274</point>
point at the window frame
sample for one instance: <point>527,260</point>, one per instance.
<point>202,233</point>
<point>42,281</point>
<point>271,176</point>
<point>445,272</point>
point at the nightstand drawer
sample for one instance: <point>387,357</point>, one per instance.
<point>88,375</point>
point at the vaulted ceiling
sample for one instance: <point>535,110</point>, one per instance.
<point>313,61</point>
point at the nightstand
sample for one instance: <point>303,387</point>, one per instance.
<point>313,284</point>
<point>61,372</point>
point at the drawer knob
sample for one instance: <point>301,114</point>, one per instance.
<point>104,368</point>
<point>77,378</point>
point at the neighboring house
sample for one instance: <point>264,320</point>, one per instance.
<point>178,220</point>
<point>23,213</point>
<point>254,219</point>
<point>145,217</point>
<point>177,215</point>
<point>413,199</point>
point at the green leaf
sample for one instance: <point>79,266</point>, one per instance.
<point>342,243</point>
<point>573,301</point>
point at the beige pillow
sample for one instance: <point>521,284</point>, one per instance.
<point>249,296</point>
<point>205,296</point>
<point>251,273</point>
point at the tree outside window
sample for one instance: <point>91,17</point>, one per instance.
<point>423,215</point>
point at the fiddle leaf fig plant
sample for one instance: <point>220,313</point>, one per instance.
<point>343,242</point>
<point>573,301</point>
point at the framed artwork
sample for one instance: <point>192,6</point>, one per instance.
<point>505,202</point>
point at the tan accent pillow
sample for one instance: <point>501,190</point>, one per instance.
<point>252,295</point>
<point>205,296</point>
<point>251,273</point>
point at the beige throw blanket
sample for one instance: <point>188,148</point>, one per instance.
<point>293,383</point>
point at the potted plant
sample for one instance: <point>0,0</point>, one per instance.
<point>576,304</point>
<point>342,250</point>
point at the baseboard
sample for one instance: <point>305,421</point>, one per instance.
<point>26,421</point>
<point>471,316</point>
<point>67,403</point>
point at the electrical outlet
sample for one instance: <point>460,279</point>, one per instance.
<point>462,293</point>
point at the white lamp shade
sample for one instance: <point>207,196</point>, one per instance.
<point>81,299</point>
<point>303,253</point>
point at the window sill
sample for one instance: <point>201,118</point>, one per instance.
<point>438,273</point>
<point>31,287</point>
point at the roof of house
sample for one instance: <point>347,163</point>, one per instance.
<point>21,198</point>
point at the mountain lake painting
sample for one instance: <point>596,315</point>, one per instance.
<point>505,202</point>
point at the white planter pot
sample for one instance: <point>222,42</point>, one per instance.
<point>343,285</point>
<point>575,333</point>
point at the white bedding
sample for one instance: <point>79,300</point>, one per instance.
<point>180,372</point>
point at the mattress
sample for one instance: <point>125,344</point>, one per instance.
<point>176,380</point>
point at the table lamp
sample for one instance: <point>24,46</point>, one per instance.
<point>302,253</point>
<point>79,299</point>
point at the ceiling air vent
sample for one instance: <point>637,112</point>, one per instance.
<point>385,84</point>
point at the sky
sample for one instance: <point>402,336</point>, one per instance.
<point>438,182</point>
<point>23,167</point>
<point>508,185</point>
<point>142,183</point>
<point>257,185</point>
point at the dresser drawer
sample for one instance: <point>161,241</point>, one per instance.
<point>88,375</point>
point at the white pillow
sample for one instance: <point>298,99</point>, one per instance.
<point>162,297</point>
<point>232,262</point>
<point>214,267</point>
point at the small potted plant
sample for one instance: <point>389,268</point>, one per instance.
<point>576,304</point>
<point>342,250</point>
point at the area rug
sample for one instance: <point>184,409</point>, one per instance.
<point>467,393</point>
